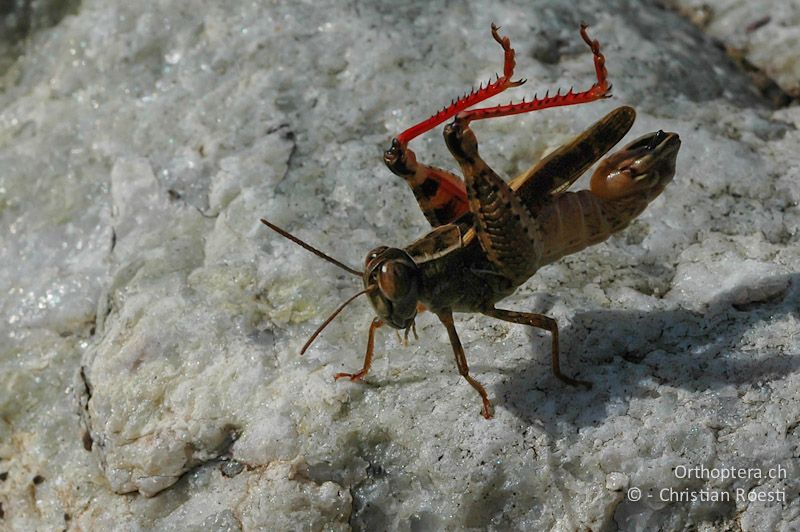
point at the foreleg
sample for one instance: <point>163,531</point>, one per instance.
<point>375,325</point>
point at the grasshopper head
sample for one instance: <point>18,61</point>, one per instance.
<point>391,280</point>
<point>397,278</point>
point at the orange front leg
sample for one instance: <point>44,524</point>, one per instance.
<point>376,324</point>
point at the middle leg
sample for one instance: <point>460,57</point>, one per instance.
<point>542,322</point>
<point>446,317</point>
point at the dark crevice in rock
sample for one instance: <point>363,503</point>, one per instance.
<point>762,82</point>
<point>230,468</point>
<point>765,85</point>
<point>21,18</point>
<point>84,396</point>
<point>221,455</point>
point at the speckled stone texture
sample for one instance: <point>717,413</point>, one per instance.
<point>150,325</point>
<point>765,36</point>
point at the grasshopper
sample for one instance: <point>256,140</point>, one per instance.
<point>490,236</point>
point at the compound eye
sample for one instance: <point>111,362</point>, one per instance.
<point>394,280</point>
<point>374,254</point>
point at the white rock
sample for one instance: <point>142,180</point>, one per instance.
<point>150,325</point>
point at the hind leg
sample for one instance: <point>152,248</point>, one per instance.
<point>506,229</point>
<point>441,195</point>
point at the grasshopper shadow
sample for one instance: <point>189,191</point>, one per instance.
<point>627,354</point>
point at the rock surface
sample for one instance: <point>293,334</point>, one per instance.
<point>765,36</point>
<point>150,325</point>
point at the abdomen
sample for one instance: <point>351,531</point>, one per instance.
<point>576,220</point>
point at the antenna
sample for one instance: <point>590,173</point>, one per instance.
<point>336,312</point>
<point>330,259</point>
<point>311,248</point>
